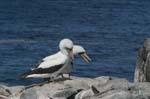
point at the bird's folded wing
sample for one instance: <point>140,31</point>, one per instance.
<point>42,70</point>
<point>51,57</point>
<point>51,63</point>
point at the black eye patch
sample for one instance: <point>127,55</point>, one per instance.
<point>69,49</point>
<point>81,53</point>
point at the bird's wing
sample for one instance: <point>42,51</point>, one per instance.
<point>51,57</point>
<point>61,59</point>
<point>42,70</point>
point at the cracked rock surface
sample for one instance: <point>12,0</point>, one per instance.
<point>104,87</point>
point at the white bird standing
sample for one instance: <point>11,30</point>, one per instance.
<point>77,49</point>
<point>56,66</point>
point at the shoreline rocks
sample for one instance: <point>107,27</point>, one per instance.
<point>106,87</point>
<point>103,87</point>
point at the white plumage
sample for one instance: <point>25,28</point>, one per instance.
<point>77,49</point>
<point>53,59</point>
<point>55,66</point>
<point>51,64</point>
<point>58,58</point>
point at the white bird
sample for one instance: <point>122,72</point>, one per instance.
<point>77,49</point>
<point>56,66</point>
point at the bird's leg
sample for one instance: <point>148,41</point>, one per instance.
<point>69,75</point>
<point>52,79</point>
<point>62,75</point>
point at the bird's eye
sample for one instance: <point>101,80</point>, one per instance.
<point>69,49</point>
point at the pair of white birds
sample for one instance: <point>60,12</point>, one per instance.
<point>58,64</point>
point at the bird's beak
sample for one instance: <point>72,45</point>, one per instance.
<point>71,55</point>
<point>86,57</point>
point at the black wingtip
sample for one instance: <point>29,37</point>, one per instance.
<point>22,77</point>
<point>95,90</point>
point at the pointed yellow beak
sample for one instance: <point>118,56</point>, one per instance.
<point>86,57</point>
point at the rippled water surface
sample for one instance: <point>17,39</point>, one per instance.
<point>110,30</point>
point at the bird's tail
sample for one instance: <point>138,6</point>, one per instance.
<point>24,75</point>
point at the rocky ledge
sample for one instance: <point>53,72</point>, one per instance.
<point>103,87</point>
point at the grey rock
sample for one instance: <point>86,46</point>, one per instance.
<point>116,94</point>
<point>119,95</point>
<point>106,88</point>
<point>147,68</point>
<point>4,91</point>
<point>139,75</point>
<point>85,94</point>
<point>78,83</point>
<point>114,84</point>
<point>16,89</point>
<point>4,97</point>
<point>54,90</point>
<point>142,70</point>
<point>140,89</point>
<point>141,97</point>
<point>29,94</point>
<point>65,93</point>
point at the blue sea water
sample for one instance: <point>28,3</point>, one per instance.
<point>110,30</point>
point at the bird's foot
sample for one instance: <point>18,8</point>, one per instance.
<point>62,76</point>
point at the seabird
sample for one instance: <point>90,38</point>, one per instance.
<point>77,49</point>
<point>54,67</point>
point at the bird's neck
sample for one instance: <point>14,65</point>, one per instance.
<point>64,52</point>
